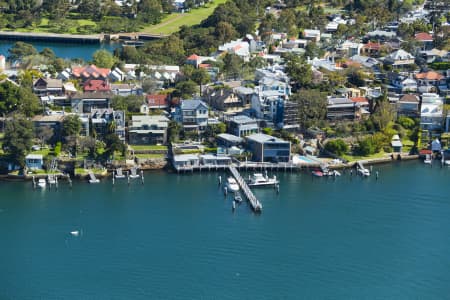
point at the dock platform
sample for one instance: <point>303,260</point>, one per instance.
<point>256,205</point>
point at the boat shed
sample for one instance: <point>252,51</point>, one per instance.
<point>34,161</point>
<point>396,144</point>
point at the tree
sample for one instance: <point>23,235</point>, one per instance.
<point>232,66</point>
<point>173,131</point>
<point>19,50</point>
<point>18,138</point>
<point>131,103</point>
<point>20,99</point>
<point>185,89</point>
<point>71,126</point>
<point>383,115</point>
<point>200,76</point>
<point>299,71</point>
<point>113,144</point>
<point>312,107</point>
<point>103,59</point>
<point>338,146</point>
<point>44,134</point>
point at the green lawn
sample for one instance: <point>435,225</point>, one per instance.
<point>44,152</point>
<point>150,156</point>
<point>172,23</point>
<point>352,158</point>
<point>148,147</point>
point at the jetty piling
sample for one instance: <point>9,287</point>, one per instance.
<point>142,176</point>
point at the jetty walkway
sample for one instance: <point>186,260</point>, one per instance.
<point>256,205</point>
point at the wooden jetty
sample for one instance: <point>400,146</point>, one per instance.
<point>256,205</point>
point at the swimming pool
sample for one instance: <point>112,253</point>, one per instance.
<point>303,159</point>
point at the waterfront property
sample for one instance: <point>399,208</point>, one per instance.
<point>266,148</point>
<point>192,114</point>
<point>53,121</point>
<point>148,130</point>
<point>34,161</point>
<point>242,125</point>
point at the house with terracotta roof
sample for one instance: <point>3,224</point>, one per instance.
<point>372,49</point>
<point>432,78</point>
<point>96,85</point>
<point>90,72</point>
<point>157,101</point>
<point>425,39</point>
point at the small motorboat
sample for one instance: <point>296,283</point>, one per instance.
<point>427,159</point>
<point>51,179</point>
<point>364,172</point>
<point>75,233</point>
<point>259,179</point>
<point>336,173</point>
<point>232,184</point>
<point>92,178</point>
<point>41,183</point>
<point>447,162</point>
<point>317,173</point>
<point>134,173</point>
<point>238,198</point>
<point>119,174</point>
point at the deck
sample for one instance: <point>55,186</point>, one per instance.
<point>255,204</point>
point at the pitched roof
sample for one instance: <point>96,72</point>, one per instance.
<point>359,99</point>
<point>409,98</point>
<point>157,100</point>
<point>192,104</point>
<point>423,37</point>
<point>96,85</point>
<point>400,55</point>
<point>90,71</point>
<point>372,46</point>
<point>193,57</point>
<point>430,75</point>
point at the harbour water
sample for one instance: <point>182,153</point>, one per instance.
<point>63,50</point>
<point>175,237</point>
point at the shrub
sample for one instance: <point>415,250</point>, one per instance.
<point>338,146</point>
<point>57,149</point>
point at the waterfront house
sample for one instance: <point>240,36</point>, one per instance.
<point>266,148</point>
<point>242,125</point>
<point>53,121</point>
<point>192,114</point>
<point>105,120</point>
<point>48,86</point>
<point>148,130</point>
<point>408,105</point>
<point>341,109</point>
<point>226,140</point>
<point>90,72</point>
<point>185,161</point>
<point>34,161</point>
<point>214,160</point>
<point>431,112</point>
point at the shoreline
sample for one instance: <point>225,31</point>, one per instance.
<point>169,169</point>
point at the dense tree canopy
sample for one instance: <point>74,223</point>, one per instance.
<point>18,138</point>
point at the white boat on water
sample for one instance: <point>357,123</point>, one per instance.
<point>41,183</point>
<point>232,184</point>
<point>447,162</point>
<point>364,172</point>
<point>92,178</point>
<point>51,179</point>
<point>119,174</point>
<point>427,159</point>
<point>134,173</point>
<point>259,179</point>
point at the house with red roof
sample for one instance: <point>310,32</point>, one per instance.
<point>426,39</point>
<point>194,60</point>
<point>157,101</point>
<point>90,72</point>
<point>430,78</point>
<point>95,85</point>
<point>372,49</point>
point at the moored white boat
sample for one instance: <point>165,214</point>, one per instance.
<point>427,159</point>
<point>41,183</point>
<point>92,178</point>
<point>232,184</point>
<point>363,172</point>
<point>259,179</point>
